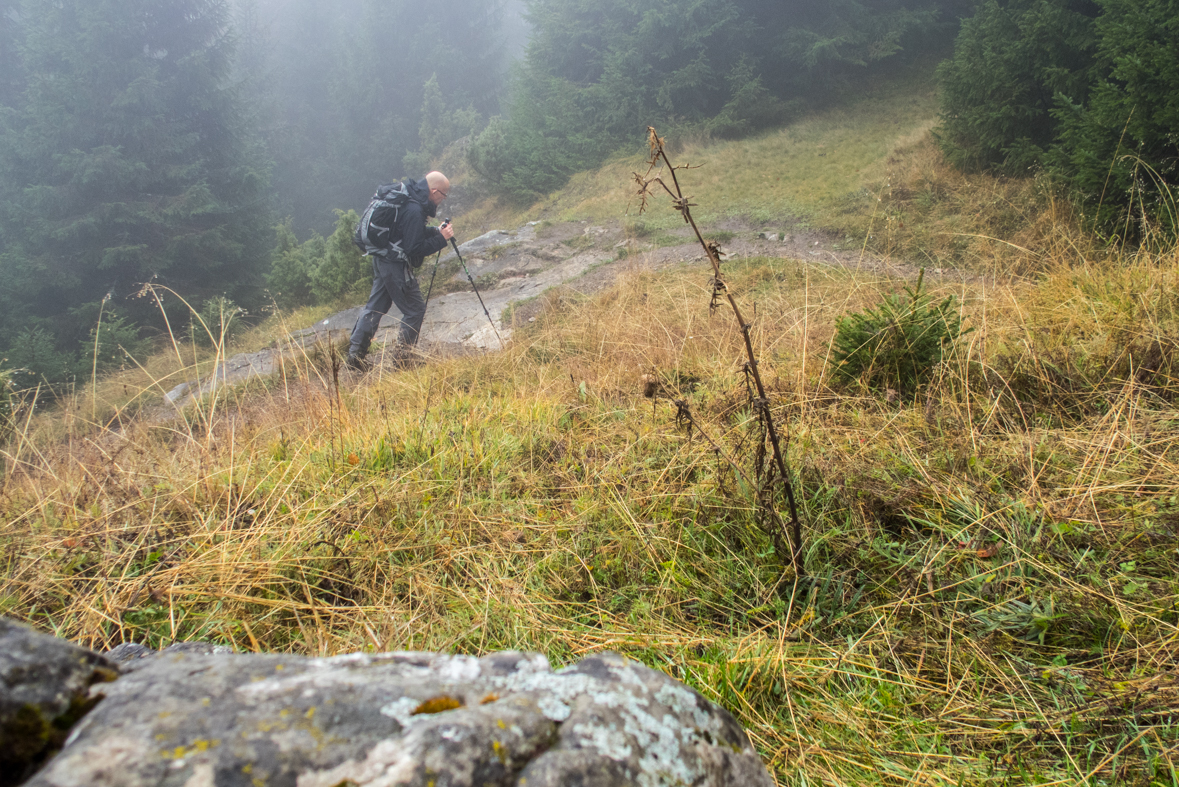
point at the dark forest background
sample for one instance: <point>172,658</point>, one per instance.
<point>210,147</point>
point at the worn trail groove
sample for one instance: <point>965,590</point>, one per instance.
<point>512,267</point>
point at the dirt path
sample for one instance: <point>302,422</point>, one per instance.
<point>512,268</point>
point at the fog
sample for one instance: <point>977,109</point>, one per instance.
<point>212,147</point>
<point>340,89</point>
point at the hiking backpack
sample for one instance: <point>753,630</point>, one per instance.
<point>373,233</point>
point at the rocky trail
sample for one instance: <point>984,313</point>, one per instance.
<point>512,268</point>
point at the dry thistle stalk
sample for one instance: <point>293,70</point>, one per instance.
<point>777,472</point>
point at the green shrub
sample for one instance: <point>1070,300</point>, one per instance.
<point>895,345</point>
<point>37,358</point>
<point>34,359</point>
<point>342,269</point>
<point>488,154</point>
<point>219,321</point>
<point>320,270</point>
<point>110,344</point>
<point>291,264</point>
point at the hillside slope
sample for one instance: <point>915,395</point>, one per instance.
<point>988,593</point>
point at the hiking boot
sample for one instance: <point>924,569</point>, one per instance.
<point>407,358</point>
<point>357,363</point>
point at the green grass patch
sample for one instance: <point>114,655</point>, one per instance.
<point>989,596</point>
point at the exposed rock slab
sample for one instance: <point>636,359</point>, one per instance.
<point>514,266</point>
<point>44,688</point>
<point>193,719</point>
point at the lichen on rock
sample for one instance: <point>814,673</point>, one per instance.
<point>192,717</point>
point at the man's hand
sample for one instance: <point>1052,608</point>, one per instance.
<point>447,231</point>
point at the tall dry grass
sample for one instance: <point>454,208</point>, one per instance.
<point>991,599</point>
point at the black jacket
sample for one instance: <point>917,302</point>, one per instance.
<point>411,239</point>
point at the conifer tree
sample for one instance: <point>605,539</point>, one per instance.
<point>1087,90</point>
<point>1120,150</point>
<point>10,70</point>
<point>130,157</point>
<point>11,85</point>
<point>1011,63</point>
<point>342,269</point>
<point>597,72</point>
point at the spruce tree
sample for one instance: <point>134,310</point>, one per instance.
<point>11,86</point>
<point>1120,151</point>
<point>1012,62</point>
<point>291,267</point>
<point>597,72</point>
<point>10,68</point>
<point>342,270</point>
<point>1086,89</point>
<point>131,159</point>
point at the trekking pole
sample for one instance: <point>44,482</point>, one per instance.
<point>430,288</point>
<point>476,289</point>
<point>432,275</point>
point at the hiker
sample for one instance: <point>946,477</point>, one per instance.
<point>393,232</point>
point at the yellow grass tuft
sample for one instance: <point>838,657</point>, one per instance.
<point>536,499</point>
<point>991,595</point>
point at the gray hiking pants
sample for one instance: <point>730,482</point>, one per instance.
<point>393,285</point>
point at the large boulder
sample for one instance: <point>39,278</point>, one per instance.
<point>199,719</point>
<point>44,689</point>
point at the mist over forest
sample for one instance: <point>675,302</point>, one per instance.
<point>209,147</point>
<point>163,141</point>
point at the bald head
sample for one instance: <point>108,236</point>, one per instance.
<point>439,186</point>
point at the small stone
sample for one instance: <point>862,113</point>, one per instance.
<point>177,393</point>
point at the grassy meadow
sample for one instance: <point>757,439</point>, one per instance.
<point>989,597</point>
